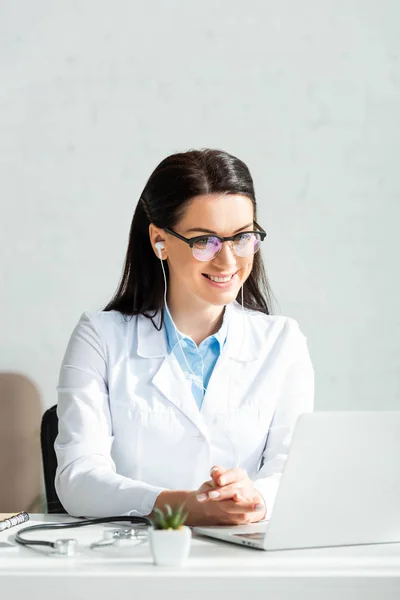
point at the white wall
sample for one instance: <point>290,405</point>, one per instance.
<point>94,94</point>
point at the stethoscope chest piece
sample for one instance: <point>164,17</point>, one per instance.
<point>66,546</point>
<point>119,537</point>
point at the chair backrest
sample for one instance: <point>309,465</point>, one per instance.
<point>20,463</point>
<point>48,434</point>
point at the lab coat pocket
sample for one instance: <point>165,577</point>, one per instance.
<point>170,451</point>
<point>245,431</point>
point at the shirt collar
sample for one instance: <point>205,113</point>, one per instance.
<point>172,339</point>
<point>243,333</point>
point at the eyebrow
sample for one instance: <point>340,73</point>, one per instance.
<point>202,229</point>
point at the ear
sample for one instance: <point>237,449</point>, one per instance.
<point>157,241</point>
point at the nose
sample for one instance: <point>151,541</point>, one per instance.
<point>226,256</point>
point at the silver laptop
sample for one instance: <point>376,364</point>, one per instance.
<point>340,486</point>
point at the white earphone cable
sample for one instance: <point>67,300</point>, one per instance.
<point>196,378</point>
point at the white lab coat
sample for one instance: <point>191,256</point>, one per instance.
<point>129,426</point>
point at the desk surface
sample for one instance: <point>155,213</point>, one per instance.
<point>358,571</point>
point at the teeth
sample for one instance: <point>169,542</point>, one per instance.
<point>220,279</point>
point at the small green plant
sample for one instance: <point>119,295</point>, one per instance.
<point>171,518</point>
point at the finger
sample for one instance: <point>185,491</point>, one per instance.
<point>257,507</point>
<point>233,519</point>
<point>217,468</point>
<point>202,492</point>
<point>215,472</point>
<point>206,486</point>
<point>226,492</point>
<point>235,508</point>
<point>230,492</point>
<point>232,476</point>
<point>213,482</point>
<point>239,497</point>
<point>218,493</point>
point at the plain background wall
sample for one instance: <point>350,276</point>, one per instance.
<point>95,93</point>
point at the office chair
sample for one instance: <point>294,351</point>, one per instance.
<point>20,456</point>
<point>48,434</point>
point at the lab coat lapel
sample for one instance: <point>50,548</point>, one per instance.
<point>171,382</point>
<point>169,379</point>
<point>227,380</point>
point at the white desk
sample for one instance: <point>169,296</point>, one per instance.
<point>214,569</point>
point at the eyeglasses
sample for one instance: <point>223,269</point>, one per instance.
<point>206,247</point>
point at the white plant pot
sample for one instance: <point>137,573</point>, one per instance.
<point>170,547</point>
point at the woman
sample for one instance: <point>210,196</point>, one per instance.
<point>184,388</point>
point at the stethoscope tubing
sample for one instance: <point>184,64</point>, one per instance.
<point>51,526</point>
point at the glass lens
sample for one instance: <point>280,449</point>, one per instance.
<point>206,248</point>
<point>247,244</point>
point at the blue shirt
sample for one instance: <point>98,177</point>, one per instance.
<point>201,359</point>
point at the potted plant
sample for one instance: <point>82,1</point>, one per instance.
<point>169,538</point>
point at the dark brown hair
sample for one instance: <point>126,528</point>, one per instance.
<point>171,186</point>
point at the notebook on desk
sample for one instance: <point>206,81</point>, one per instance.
<point>340,486</point>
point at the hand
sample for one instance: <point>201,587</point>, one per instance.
<point>230,511</point>
<point>226,512</point>
<point>242,505</point>
<point>236,485</point>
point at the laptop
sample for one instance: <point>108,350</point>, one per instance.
<point>340,486</point>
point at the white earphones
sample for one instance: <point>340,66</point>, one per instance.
<point>160,246</point>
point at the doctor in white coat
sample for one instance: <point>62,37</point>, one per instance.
<point>184,389</point>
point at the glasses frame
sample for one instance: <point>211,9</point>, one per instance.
<point>191,241</point>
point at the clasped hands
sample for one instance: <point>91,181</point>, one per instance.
<point>228,498</point>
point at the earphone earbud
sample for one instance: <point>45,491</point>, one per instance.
<point>160,246</point>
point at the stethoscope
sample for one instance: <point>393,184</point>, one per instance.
<point>68,546</point>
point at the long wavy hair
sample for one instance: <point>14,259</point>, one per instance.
<point>175,181</point>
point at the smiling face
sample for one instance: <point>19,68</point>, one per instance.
<point>217,281</point>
